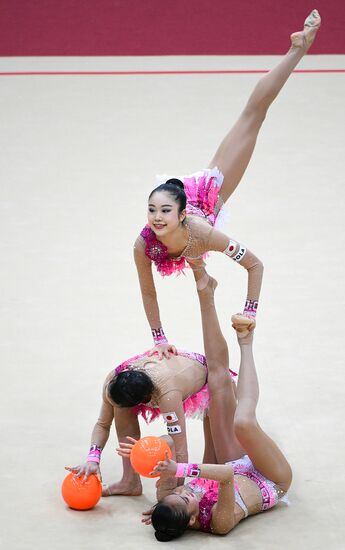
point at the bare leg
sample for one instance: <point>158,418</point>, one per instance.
<point>209,452</point>
<point>236,149</point>
<point>126,423</point>
<point>129,485</point>
<point>222,398</point>
<point>263,452</point>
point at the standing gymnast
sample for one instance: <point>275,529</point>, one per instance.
<point>181,215</point>
<point>255,476</point>
<point>150,387</point>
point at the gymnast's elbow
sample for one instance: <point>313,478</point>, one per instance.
<point>260,266</point>
<point>222,531</point>
<point>256,267</point>
<point>102,426</point>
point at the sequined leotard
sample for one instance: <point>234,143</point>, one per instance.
<point>208,488</point>
<point>203,201</point>
<point>203,209</point>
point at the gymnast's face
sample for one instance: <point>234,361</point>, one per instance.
<point>185,499</point>
<point>163,216</point>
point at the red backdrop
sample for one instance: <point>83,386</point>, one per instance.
<point>163,27</point>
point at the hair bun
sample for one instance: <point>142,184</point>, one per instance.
<point>177,182</point>
<point>162,536</point>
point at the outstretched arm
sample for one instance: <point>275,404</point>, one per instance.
<point>147,285</point>
<point>99,438</point>
<point>149,297</point>
<point>101,430</point>
<point>171,407</point>
<point>222,243</point>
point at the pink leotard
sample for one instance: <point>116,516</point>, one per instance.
<point>204,208</point>
<point>209,490</point>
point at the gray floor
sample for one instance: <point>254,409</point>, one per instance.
<point>79,156</point>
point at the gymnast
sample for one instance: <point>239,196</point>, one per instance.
<point>147,386</point>
<point>182,214</point>
<point>243,471</point>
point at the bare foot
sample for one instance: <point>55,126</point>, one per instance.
<point>243,325</point>
<point>203,279</point>
<point>206,282</point>
<point>199,273</point>
<point>131,489</point>
<point>304,39</point>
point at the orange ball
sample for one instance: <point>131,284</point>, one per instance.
<point>80,494</point>
<point>147,452</point>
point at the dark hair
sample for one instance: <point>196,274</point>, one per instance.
<point>175,188</point>
<point>169,522</point>
<point>130,387</point>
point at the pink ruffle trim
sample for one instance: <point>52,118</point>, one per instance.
<point>202,194</point>
<point>158,253</point>
<point>194,407</point>
<point>202,191</point>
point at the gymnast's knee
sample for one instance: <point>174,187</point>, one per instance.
<point>245,425</point>
<point>218,379</point>
<point>256,113</point>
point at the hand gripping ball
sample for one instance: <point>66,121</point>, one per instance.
<point>80,494</point>
<point>147,452</point>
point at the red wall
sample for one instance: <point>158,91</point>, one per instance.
<point>163,27</point>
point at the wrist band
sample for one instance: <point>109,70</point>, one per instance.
<point>193,470</point>
<point>94,454</point>
<point>181,470</point>
<point>187,470</point>
<point>250,308</point>
<point>159,336</point>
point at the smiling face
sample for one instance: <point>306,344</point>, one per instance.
<point>163,213</point>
